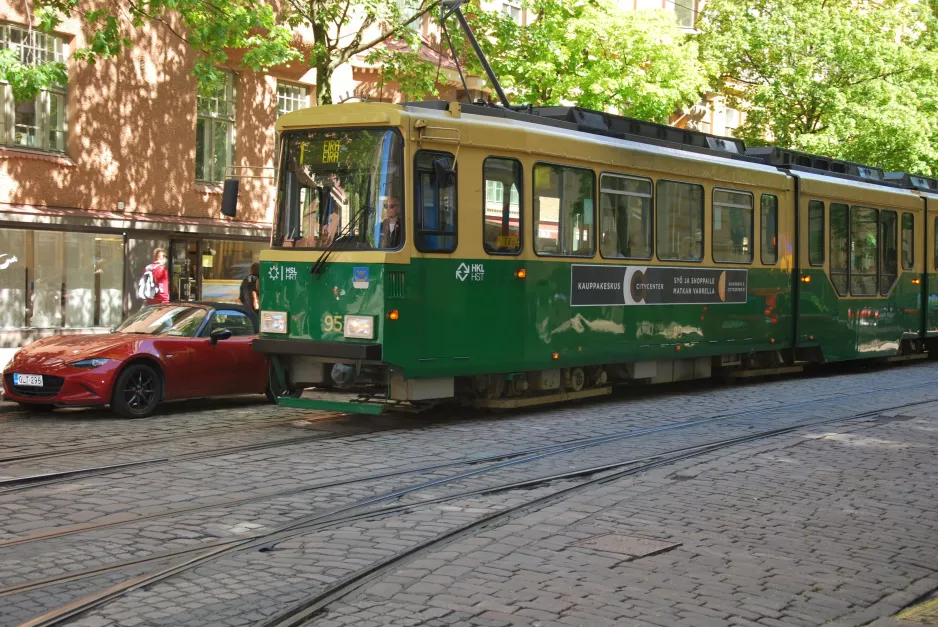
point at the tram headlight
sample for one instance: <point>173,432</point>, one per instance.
<point>273,322</point>
<point>360,327</point>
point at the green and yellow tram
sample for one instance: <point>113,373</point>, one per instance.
<point>434,251</point>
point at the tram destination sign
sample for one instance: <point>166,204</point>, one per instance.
<point>655,285</point>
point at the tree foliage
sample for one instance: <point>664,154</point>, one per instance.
<point>584,52</point>
<point>832,77</point>
<point>262,36</point>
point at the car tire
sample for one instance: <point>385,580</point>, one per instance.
<point>37,407</point>
<point>136,392</point>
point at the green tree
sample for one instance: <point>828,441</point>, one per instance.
<point>829,76</point>
<point>214,28</point>
<point>585,52</point>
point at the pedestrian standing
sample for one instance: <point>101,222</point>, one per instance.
<point>154,284</point>
<point>250,296</point>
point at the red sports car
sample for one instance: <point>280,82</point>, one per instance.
<point>164,352</point>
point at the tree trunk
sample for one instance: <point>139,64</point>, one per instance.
<point>324,84</point>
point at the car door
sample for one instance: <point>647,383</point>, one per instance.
<point>235,367</point>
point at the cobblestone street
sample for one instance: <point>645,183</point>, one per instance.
<point>797,501</point>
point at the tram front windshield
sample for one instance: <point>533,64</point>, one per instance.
<point>341,189</point>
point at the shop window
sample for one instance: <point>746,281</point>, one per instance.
<point>54,279</point>
<point>435,219</point>
<point>908,241</point>
<point>769,248</point>
<point>214,130</point>
<point>840,248</point>
<point>732,226</point>
<point>816,233</point>
<point>680,221</point>
<point>626,218</point>
<point>563,210</point>
<point>225,263</point>
<point>890,242</point>
<point>864,244</point>
<point>502,217</point>
<point>39,123</point>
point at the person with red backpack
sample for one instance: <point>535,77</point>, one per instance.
<point>154,284</point>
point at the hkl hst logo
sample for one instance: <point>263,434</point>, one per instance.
<point>465,270</point>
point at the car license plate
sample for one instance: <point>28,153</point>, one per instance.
<point>34,380</point>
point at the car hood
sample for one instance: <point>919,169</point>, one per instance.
<point>65,349</point>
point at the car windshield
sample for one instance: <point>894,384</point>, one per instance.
<point>175,320</point>
<point>340,187</point>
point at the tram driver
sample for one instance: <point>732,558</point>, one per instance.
<point>390,234</point>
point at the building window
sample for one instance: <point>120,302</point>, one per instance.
<point>732,226</point>
<point>408,9</point>
<point>38,123</point>
<point>214,131</point>
<point>626,219</point>
<point>563,210</point>
<point>731,123</point>
<point>291,98</point>
<point>502,226</point>
<point>512,8</point>
<point>680,221</point>
<point>685,11</point>
<point>56,279</point>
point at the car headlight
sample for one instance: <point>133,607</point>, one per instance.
<point>361,327</point>
<point>273,322</point>
<point>97,362</point>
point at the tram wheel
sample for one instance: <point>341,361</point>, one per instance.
<point>137,391</point>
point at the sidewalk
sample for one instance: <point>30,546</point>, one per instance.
<point>834,527</point>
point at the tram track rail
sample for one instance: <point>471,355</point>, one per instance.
<point>539,452</point>
<point>364,510</point>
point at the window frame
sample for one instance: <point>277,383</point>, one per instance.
<point>902,242</point>
<point>418,208</point>
<point>877,256</point>
<point>895,278</point>
<point>211,119</point>
<point>752,222</point>
<point>42,103</point>
<point>703,221</point>
<point>824,227</point>
<point>848,235</point>
<point>534,218</point>
<point>762,199</point>
<point>651,213</point>
<point>520,207</point>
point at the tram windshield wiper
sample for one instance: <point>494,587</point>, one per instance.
<point>342,237</point>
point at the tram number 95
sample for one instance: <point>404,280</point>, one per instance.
<point>331,323</point>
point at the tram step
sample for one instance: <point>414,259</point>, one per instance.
<point>529,401</point>
<point>764,372</point>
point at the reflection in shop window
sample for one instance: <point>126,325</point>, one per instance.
<point>53,279</point>
<point>225,263</point>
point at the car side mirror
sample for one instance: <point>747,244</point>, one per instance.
<point>219,334</point>
<point>229,198</point>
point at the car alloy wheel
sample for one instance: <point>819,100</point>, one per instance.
<point>137,391</point>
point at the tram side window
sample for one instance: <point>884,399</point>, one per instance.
<point>840,248</point>
<point>816,233</point>
<point>732,226</point>
<point>625,217</point>
<point>864,245</point>
<point>936,242</point>
<point>501,222</point>
<point>908,241</point>
<point>890,243</point>
<point>769,250</point>
<point>435,220</point>
<point>680,221</point>
<point>563,210</point>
